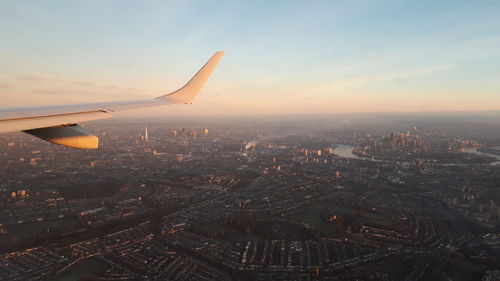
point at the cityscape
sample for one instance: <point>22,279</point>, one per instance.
<point>318,199</point>
<point>283,140</point>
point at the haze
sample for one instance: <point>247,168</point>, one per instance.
<point>283,57</point>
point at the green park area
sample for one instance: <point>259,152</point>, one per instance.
<point>333,219</point>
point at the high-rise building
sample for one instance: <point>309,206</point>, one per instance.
<point>146,137</point>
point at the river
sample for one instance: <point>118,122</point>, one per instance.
<point>474,150</point>
<point>344,150</point>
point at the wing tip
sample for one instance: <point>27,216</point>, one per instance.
<point>189,91</point>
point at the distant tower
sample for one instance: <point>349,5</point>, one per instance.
<point>146,137</point>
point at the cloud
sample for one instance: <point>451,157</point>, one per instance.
<point>40,89</point>
<point>336,85</point>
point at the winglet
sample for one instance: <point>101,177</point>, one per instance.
<point>189,91</point>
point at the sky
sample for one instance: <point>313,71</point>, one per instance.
<point>282,57</point>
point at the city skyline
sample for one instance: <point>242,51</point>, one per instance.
<point>282,57</point>
<point>266,140</point>
<point>400,201</point>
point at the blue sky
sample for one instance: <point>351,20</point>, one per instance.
<point>282,56</point>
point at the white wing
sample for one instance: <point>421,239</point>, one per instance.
<point>57,124</point>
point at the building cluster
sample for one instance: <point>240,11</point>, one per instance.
<point>161,203</point>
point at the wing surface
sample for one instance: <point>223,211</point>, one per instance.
<point>30,118</point>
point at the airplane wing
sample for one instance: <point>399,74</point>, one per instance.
<point>58,124</point>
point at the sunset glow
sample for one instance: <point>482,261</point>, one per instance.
<point>283,57</point>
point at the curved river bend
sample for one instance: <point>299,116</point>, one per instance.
<point>344,150</point>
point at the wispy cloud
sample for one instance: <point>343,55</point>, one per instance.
<point>40,89</point>
<point>339,85</point>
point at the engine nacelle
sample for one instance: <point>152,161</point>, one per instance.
<point>70,135</point>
